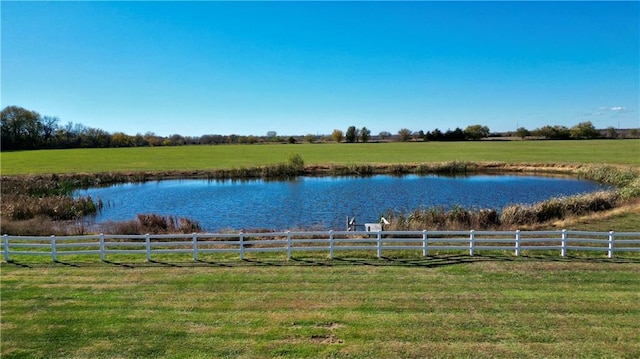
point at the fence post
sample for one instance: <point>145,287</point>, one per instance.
<point>5,238</point>
<point>288,245</point>
<point>517,242</point>
<point>102,247</point>
<point>195,247</point>
<point>54,256</point>
<point>147,241</point>
<point>611,238</point>
<point>331,244</point>
<point>241,246</point>
<point>472,240</point>
<point>424,243</point>
<point>563,250</point>
<point>379,244</point>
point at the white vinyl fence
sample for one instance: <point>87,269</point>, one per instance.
<point>102,245</point>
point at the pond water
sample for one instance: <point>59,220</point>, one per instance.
<point>321,202</point>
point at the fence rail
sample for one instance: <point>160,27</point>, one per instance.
<point>331,242</point>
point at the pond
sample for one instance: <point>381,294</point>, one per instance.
<point>321,202</point>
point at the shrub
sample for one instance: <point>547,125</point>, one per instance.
<point>156,224</point>
<point>295,164</point>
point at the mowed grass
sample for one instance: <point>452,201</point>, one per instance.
<point>183,158</point>
<point>445,306</point>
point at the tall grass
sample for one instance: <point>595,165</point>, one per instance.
<point>559,208</point>
<point>153,224</point>
<point>439,218</point>
<point>625,178</point>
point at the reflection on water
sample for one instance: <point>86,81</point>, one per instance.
<point>321,202</point>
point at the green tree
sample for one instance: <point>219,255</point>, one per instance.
<point>404,134</point>
<point>384,135</point>
<point>584,130</point>
<point>352,134</point>
<point>310,138</point>
<point>522,132</point>
<point>553,132</point>
<point>476,132</point>
<point>365,134</point>
<point>20,128</point>
<point>435,135</point>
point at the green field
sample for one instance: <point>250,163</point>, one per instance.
<point>625,152</point>
<point>446,306</point>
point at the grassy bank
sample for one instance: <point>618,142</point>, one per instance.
<point>437,307</point>
<point>189,158</point>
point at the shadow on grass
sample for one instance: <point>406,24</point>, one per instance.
<point>431,261</point>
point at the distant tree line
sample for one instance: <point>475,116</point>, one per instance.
<point>24,129</point>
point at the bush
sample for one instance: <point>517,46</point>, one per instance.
<point>157,224</point>
<point>295,164</point>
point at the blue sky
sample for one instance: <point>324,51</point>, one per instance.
<point>196,68</point>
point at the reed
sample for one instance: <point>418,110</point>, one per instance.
<point>509,218</point>
<point>560,208</point>
<point>59,207</point>
<point>43,226</point>
<point>152,224</point>
<point>439,218</point>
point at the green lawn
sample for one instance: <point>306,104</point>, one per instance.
<point>445,306</point>
<point>234,156</point>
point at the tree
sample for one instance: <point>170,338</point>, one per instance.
<point>49,127</point>
<point>352,134</point>
<point>120,139</point>
<point>553,132</point>
<point>611,132</point>
<point>584,130</point>
<point>337,135</point>
<point>455,135</point>
<point>384,135</point>
<point>435,135</point>
<point>476,132</point>
<point>20,128</point>
<point>310,138</point>
<point>522,132</point>
<point>365,134</point>
<point>404,134</point>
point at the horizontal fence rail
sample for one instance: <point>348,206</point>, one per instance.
<point>102,245</point>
